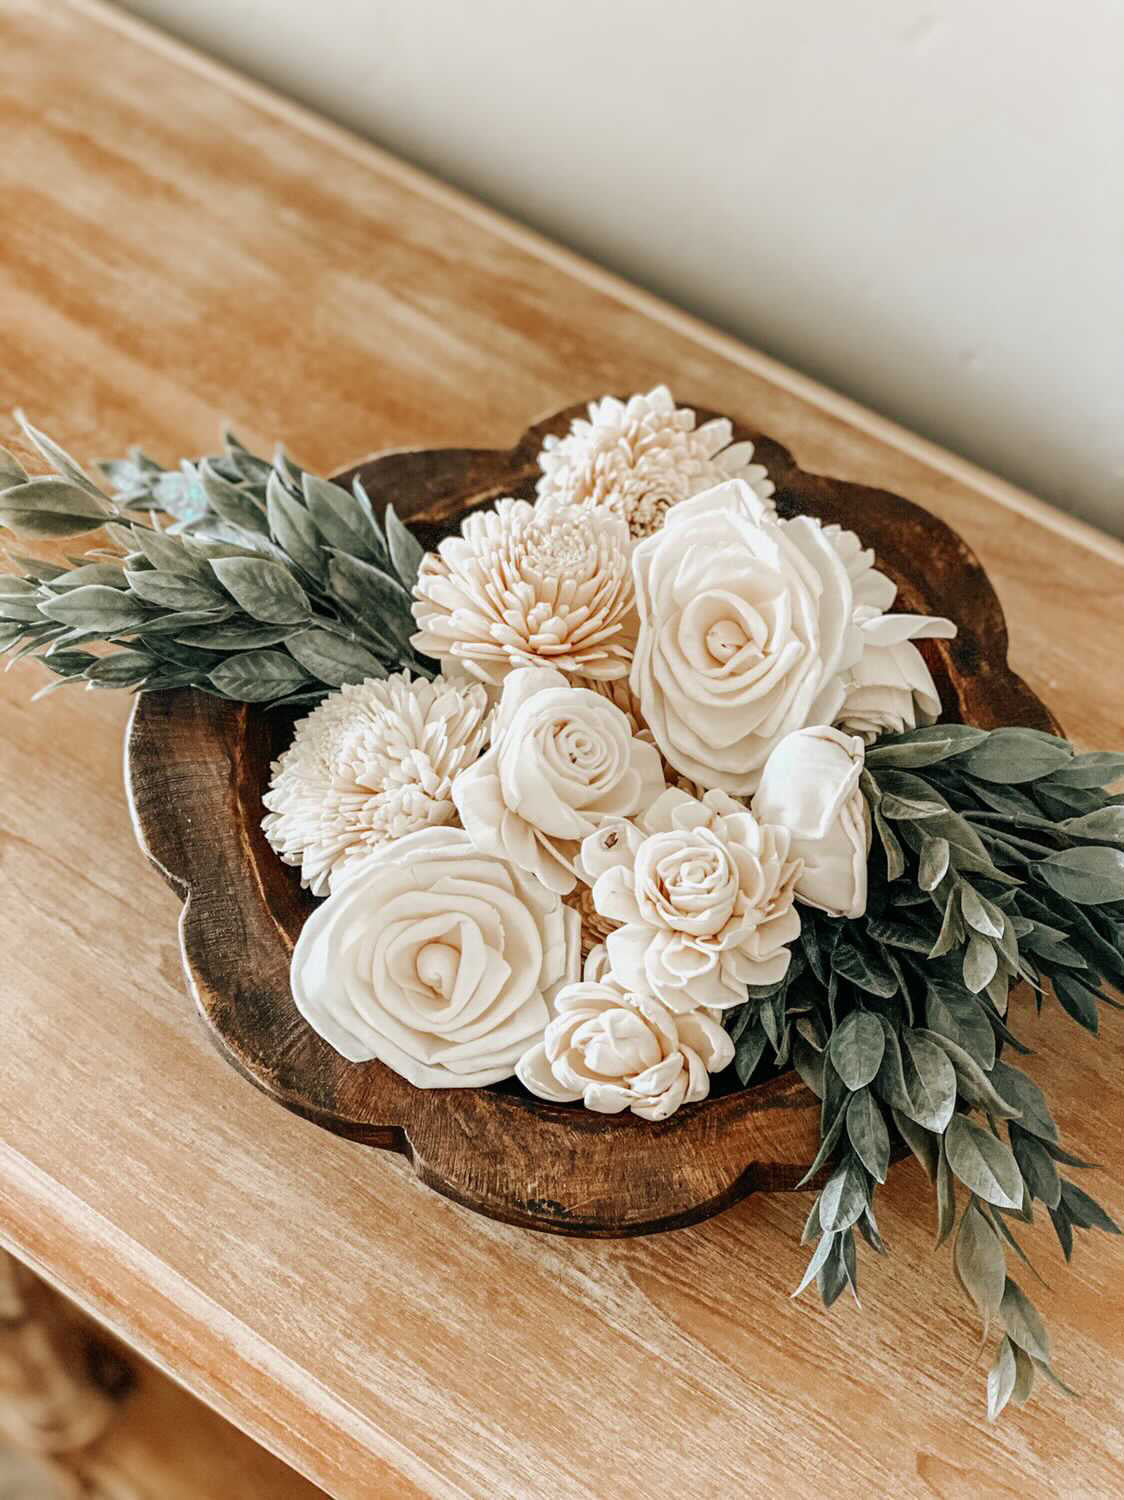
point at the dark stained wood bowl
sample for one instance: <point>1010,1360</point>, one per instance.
<point>196,769</point>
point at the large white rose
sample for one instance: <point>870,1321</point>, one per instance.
<point>810,785</point>
<point>563,759</point>
<point>705,893</point>
<point>615,1050</point>
<point>745,629</point>
<point>890,689</point>
<point>438,960</point>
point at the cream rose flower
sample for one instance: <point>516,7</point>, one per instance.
<point>890,689</point>
<point>615,1050</point>
<point>562,760</point>
<point>704,892</point>
<point>745,629</point>
<point>810,786</point>
<point>438,960</point>
<point>638,458</point>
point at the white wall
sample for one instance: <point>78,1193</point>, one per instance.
<point>919,201</point>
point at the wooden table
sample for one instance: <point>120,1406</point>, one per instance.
<point>180,246</point>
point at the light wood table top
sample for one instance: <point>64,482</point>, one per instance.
<point>179,246</point>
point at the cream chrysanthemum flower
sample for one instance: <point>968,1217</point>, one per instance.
<point>523,588</point>
<point>373,762</point>
<point>638,458</point>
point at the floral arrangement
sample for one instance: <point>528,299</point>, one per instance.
<point>624,789</point>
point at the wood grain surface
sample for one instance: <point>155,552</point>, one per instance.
<point>179,247</point>
<point>196,770</point>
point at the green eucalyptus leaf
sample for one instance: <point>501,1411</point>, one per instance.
<point>856,1048</point>
<point>930,1080</point>
<point>1013,756</point>
<point>984,1165</point>
<point>946,1199</point>
<point>48,506</point>
<point>406,552</point>
<point>1034,1112</point>
<point>1024,1376</point>
<point>933,864</point>
<point>1091,875</point>
<point>972,1082</point>
<point>173,590</point>
<point>339,518</point>
<point>817,1262</point>
<point>866,1130</point>
<point>1085,1212</point>
<point>1105,823</point>
<point>257,676</point>
<point>979,913</point>
<point>1001,1380</point>
<point>12,472</point>
<point>267,591</point>
<point>980,964</point>
<point>923,1143</point>
<point>953,1014</point>
<point>1022,1322</point>
<point>980,1264</point>
<point>1096,769</point>
<point>230,501</point>
<point>1077,1000</point>
<point>372,597</point>
<point>293,529</point>
<point>332,659</point>
<point>119,669</point>
<point>749,1049</point>
<point>59,459</point>
<point>96,607</point>
<point>1037,1166</point>
<point>229,635</point>
<point>844,1196</point>
<point>895,857</point>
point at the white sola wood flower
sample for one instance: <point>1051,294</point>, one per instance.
<point>438,960</point>
<point>562,760</point>
<point>525,588</point>
<point>704,891</point>
<point>373,762</point>
<point>615,1050</point>
<point>639,457</point>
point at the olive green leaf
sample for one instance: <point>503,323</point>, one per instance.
<point>173,590</point>
<point>1013,756</point>
<point>94,607</point>
<point>856,1048</point>
<point>1090,874</point>
<point>48,506</point>
<point>293,529</point>
<point>1038,1168</point>
<point>257,676</point>
<point>1001,1380</point>
<point>266,590</point>
<point>930,1080</point>
<point>983,1164</point>
<point>1084,1211</point>
<point>980,1264</point>
<point>980,964</point>
<point>844,1195</point>
<point>332,659</point>
<point>1034,1112</point>
<point>866,1130</point>
<point>1022,1322</point>
<point>406,551</point>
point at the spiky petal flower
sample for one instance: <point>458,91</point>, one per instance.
<point>523,588</point>
<point>373,762</point>
<point>639,457</point>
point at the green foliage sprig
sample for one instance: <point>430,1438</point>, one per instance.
<point>998,857</point>
<point>270,584</point>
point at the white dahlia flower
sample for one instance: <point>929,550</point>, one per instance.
<point>373,762</point>
<point>526,588</point>
<point>639,457</point>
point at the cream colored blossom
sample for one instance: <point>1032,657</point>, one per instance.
<point>439,961</point>
<point>638,458</point>
<point>615,1050</point>
<point>890,689</point>
<point>704,893</point>
<point>525,588</point>
<point>562,761</point>
<point>373,762</point>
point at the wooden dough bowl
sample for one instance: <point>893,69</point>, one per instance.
<point>196,770</point>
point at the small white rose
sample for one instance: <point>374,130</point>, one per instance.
<point>704,893</point>
<point>746,626</point>
<point>440,961</point>
<point>617,1050</point>
<point>810,785</point>
<point>890,689</point>
<point>563,760</point>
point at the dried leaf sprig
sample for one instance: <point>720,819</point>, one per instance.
<point>998,858</point>
<point>269,585</point>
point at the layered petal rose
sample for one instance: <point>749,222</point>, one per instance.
<point>746,626</point>
<point>440,961</point>
<point>616,1050</point>
<point>563,760</point>
<point>890,689</point>
<point>810,785</point>
<point>704,893</point>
